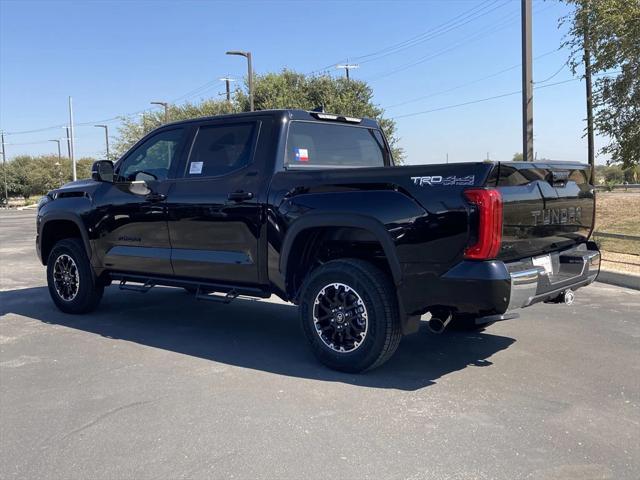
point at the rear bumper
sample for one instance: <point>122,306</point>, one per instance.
<point>494,287</point>
<point>571,270</point>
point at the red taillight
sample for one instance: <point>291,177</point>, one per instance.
<point>489,235</point>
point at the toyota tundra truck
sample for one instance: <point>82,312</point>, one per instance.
<point>310,206</point>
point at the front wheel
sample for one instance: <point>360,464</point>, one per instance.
<point>72,284</point>
<point>349,314</point>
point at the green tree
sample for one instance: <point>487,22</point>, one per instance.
<point>517,157</point>
<point>23,178</point>
<point>83,167</point>
<point>613,27</point>
<point>133,129</point>
<point>28,176</point>
<point>613,174</point>
<point>286,89</point>
<point>289,89</point>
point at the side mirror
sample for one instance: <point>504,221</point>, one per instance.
<point>102,171</point>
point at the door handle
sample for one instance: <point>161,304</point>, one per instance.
<point>156,197</point>
<point>240,196</point>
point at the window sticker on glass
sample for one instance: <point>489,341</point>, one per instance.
<point>302,155</point>
<point>195,168</point>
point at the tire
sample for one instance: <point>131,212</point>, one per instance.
<point>370,319</point>
<point>73,286</point>
<point>467,323</point>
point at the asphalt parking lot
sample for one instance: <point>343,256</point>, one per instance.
<point>158,385</point>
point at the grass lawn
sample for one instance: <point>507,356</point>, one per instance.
<point>618,212</point>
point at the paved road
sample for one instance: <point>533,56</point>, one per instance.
<point>161,386</point>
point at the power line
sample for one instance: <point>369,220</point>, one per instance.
<point>192,92</point>
<point>196,91</point>
<point>494,97</point>
<point>44,129</point>
<point>430,31</point>
<point>435,34</point>
<point>507,21</point>
<point>446,107</point>
<point>500,24</point>
<point>471,82</point>
<point>424,36</point>
<point>37,142</point>
<point>552,76</point>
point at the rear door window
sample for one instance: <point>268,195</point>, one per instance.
<point>221,149</point>
<point>316,144</point>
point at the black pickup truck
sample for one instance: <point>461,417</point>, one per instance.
<point>309,206</point>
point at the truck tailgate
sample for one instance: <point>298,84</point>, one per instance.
<point>546,207</point>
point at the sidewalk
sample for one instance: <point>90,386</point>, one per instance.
<point>620,269</point>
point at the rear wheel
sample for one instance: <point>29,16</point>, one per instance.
<point>72,284</point>
<point>349,314</point>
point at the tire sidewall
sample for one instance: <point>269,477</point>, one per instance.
<point>368,351</point>
<point>87,288</point>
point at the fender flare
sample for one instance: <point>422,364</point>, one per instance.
<point>372,225</point>
<point>67,216</point>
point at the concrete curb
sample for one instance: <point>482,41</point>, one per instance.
<point>626,280</point>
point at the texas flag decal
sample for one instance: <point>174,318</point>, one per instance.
<point>302,155</point>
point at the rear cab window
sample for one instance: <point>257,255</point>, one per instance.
<point>334,145</point>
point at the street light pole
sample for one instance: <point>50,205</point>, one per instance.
<point>4,170</point>
<point>59,153</point>
<point>247,55</point>
<point>72,153</point>
<point>106,137</point>
<point>166,110</point>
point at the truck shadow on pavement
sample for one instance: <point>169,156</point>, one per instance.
<point>252,334</point>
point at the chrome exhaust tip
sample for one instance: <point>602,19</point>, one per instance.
<point>438,324</point>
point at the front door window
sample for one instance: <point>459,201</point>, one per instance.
<point>152,159</point>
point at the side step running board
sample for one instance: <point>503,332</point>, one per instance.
<point>213,292</point>
<point>148,285</point>
<point>216,297</point>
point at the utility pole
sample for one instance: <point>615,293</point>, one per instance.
<point>106,137</point>
<point>59,153</point>
<point>68,138</point>
<point>227,80</point>
<point>4,170</point>
<point>72,148</point>
<point>527,83</point>
<point>166,110</point>
<point>587,78</point>
<point>347,67</point>
<point>247,55</point>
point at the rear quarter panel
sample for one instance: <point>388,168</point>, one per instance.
<point>426,222</point>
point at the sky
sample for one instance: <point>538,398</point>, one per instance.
<point>423,59</point>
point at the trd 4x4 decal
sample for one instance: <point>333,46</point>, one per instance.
<point>440,180</point>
